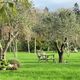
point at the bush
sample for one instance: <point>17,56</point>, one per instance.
<point>12,67</point>
<point>9,65</point>
<point>3,64</point>
<point>14,62</point>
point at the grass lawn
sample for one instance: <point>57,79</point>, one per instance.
<point>31,69</point>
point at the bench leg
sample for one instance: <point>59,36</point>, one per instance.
<point>53,60</point>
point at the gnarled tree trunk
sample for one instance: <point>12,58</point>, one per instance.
<point>28,44</point>
<point>35,45</point>
<point>60,50</point>
<point>4,50</point>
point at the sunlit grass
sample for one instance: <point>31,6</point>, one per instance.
<point>31,69</point>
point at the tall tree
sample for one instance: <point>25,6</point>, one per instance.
<point>8,12</point>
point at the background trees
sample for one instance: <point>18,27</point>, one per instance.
<point>37,29</point>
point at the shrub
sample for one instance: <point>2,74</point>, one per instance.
<point>12,67</point>
<point>9,65</point>
<point>3,64</point>
<point>14,62</point>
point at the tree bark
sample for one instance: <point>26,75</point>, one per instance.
<point>15,48</point>
<point>60,57</point>
<point>28,42</point>
<point>35,46</point>
<point>8,44</point>
<point>1,55</point>
<point>48,49</point>
<point>60,52</point>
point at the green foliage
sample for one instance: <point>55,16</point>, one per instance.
<point>57,25</point>
<point>9,65</point>
<point>9,9</point>
<point>48,27</point>
<point>3,65</point>
<point>45,26</point>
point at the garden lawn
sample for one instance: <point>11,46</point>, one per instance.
<point>31,69</point>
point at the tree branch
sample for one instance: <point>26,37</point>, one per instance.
<point>9,42</point>
<point>57,46</point>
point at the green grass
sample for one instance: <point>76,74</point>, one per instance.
<point>31,69</point>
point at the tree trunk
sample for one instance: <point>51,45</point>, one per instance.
<point>48,49</point>
<point>60,52</point>
<point>28,42</point>
<point>35,46</point>
<point>60,57</point>
<point>10,48</point>
<point>1,55</point>
<point>8,44</point>
<point>15,48</point>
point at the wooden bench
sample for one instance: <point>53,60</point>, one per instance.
<point>43,56</point>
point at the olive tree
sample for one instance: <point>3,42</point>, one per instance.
<point>11,22</point>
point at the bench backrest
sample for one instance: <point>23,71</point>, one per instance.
<point>40,53</point>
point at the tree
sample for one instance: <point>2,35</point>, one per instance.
<point>46,10</point>
<point>8,12</point>
<point>76,8</point>
<point>60,50</point>
<point>57,26</point>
